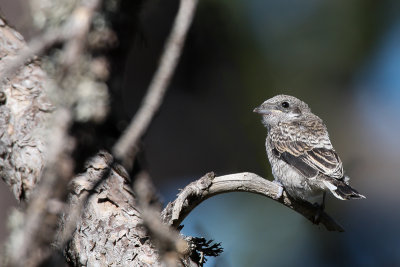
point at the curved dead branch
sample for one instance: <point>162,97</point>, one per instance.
<point>211,185</point>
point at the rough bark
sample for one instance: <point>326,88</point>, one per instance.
<point>109,231</point>
<point>101,208</point>
<point>24,110</point>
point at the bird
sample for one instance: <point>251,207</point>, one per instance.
<point>302,158</point>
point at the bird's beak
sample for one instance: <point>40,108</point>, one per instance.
<point>260,110</point>
<point>264,110</point>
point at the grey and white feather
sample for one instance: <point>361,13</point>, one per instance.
<point>302,157</point>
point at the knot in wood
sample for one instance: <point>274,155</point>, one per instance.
<point>205,182</point>
<point>3,98</point>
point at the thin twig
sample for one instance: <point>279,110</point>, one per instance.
<point>72,32</point>
<point>170,245</point>
<point>208,186</point>
<point>35,47</point>
<point>124,149</point>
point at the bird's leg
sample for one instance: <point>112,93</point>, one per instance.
<point>320,209</point>
<point>280,192</point>
<point>322,206</point>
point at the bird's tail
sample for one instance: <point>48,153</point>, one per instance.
<point>341,189</point>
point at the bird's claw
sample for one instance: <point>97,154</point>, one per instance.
<point>320,209</point>
<point>319,212</point>
<point>280,191</point>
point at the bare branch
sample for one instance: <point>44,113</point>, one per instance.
<point>208,186</point>
<point>125,147</point>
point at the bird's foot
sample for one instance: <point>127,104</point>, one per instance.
<point>320,209</point>
<point>318,213</point>
<point>280,192</point>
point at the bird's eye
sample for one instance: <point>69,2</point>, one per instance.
<point>285,104</point>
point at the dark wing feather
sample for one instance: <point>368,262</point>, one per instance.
<point>299,164</point>
<point>307,148</point>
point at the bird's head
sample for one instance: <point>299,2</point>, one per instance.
<point>282,108</point>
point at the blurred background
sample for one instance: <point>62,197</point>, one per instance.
<point>341,57</point>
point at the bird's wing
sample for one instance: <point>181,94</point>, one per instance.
<point>306,147</point>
